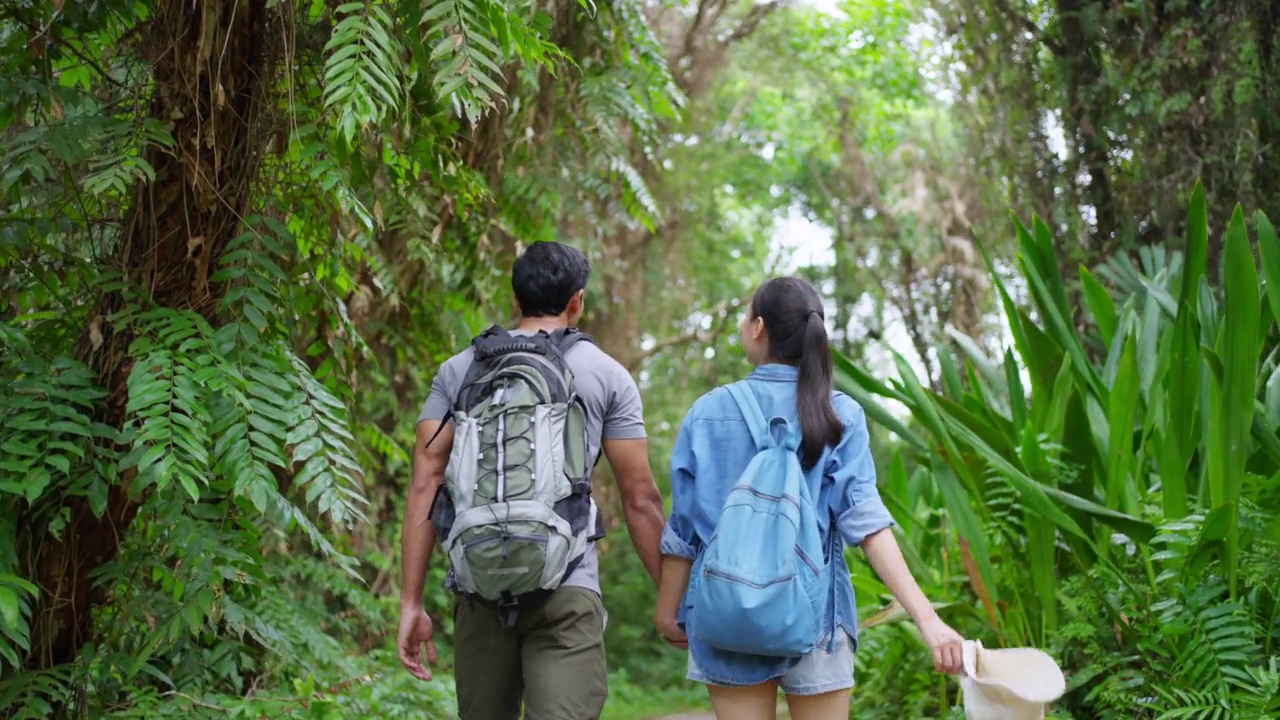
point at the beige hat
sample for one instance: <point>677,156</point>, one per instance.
<point>1009,684</point>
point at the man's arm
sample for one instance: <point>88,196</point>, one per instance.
<point>641,501</point>
<point>419,535</point>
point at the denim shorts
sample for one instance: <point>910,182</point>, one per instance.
<point>817,673</point>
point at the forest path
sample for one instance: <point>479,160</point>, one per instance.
<point>782,715</point>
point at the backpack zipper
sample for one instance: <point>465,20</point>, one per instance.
<point>522,537</point>
<point>734,578</point>
<point>767,496</point>
<point>804,557</point>
<point>501,490</point>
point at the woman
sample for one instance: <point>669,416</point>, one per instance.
<point>785,338</point>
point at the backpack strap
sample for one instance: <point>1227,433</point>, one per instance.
<point>752,413</point>
<point>498,341</point>
<point>565,338</point>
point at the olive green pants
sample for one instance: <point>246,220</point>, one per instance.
<point>552,660</point>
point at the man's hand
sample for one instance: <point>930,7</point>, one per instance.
<point>419,536</point>
<point>415,631</point>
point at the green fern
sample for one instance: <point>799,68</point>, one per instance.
<point>16,595</point>
<point>468,42</point>
<point>25,696</point>
<point>169,390</point>
<point>1209,648</point>
<point>364,71</point>
<point>322,448</point>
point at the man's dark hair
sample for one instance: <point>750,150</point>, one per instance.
<point>546,277</point>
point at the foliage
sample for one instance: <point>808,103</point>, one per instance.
<point>1101,116</point>
<point>194,383</point>
<point>236,238</point>
<point>864,146</point>
<point>1139,454</point>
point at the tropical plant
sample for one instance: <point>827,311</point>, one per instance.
<point>212,219</point>
<point>1140,449</point>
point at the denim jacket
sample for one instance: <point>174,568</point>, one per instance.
<point>712,450</point>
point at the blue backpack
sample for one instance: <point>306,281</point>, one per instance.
<point>759,586</point>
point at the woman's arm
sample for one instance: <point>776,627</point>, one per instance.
<point>863,520</point>
<point>679,544</point>
<point>886,559</point>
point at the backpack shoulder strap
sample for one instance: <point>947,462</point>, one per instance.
<point>752,413</point>
<point>566,338</point>
<point>493,331</point>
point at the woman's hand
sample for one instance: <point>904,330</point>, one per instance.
<point>886,558</point>
<point>671,589</point>
<point>946,644</point>
<point>670,631</point>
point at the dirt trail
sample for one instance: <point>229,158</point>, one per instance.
<point>782,715</point>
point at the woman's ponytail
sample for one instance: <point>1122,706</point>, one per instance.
<point>820,426</point>
<point>792,314</point>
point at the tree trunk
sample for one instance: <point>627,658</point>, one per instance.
<point>209,61</point>
<point>1267,20</point>
<point>1084,117</point>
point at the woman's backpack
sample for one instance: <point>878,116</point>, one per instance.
<point>760,585</point>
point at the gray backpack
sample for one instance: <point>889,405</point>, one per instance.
<point>515,514</point>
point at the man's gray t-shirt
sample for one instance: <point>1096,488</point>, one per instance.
<point>614,412</point>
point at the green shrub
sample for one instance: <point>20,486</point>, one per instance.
<point>1113,483</point>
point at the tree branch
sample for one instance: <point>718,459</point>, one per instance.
<point>1017,18</point>
<point>722,312</point>
<point>754,17</point>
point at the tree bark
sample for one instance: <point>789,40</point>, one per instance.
<point>209,61</point>
<point>1085,122</point>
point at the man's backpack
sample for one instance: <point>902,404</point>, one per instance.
<point>515,514</point>
<point>760,584</point>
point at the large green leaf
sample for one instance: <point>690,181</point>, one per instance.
<point>1100,304</point>
<point>1121,414</point>
<point>1241,346</point>
<point>1038,496</point>
<point>925,408</point>
<point>1269,251</point>
<point>1184,371</point>
<point>959,508</point>
<point>1017,396</point>
<point>1056,313</point>
<point>1041,537</point>
<point>860,386</point>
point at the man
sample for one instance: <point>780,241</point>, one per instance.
<point>546,654</point>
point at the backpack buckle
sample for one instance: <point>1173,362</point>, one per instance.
<point>508,610</point>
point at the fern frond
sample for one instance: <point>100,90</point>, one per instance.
<point>363,74</point>
<point>16,595</point>
<point>636,196</point>
<point>1260,698</point>
<point>322,445</point>
<point>250,429</point>
<point>467,43</point>
<point>326,175</point>
<point>1194,705</point>
<point>26,694</point>
<point>47,428</point>
<point>1211,641</point>
<point>168,398</point>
